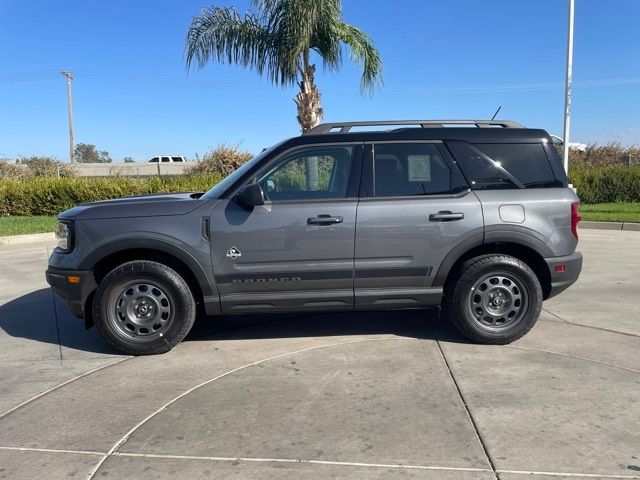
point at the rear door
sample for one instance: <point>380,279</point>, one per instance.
<point>296,251</point>
<point>415,207</point>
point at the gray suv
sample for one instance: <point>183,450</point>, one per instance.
<point>474,216</point>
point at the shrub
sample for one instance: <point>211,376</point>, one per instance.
<point>50,196</point>
<point>46,167</point>
<point>12,170</point>
<point>613,153</point>
<point>222,160</point>
<point>604,184</point>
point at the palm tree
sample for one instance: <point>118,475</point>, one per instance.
<point>278,40</point>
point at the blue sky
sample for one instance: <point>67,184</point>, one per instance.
<point>452,59</point>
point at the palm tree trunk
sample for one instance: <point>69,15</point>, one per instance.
<point>308,100</point>
<point>309,116</point>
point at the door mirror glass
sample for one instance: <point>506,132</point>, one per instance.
<point>271,186</point>
<point>250,196</point>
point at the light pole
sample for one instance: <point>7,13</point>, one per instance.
<point>567,91</point>
<point>69,76</point>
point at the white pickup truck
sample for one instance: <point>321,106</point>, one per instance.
<point>167,159</point>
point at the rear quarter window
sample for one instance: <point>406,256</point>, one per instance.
<point>525,162</point>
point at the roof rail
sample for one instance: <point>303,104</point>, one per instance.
<point>345,127</point>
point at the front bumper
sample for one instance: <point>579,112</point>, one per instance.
<point>75,294</point>
<point>560,281</point>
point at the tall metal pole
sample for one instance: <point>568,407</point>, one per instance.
<point>69,76</point>
<point>567,90</point>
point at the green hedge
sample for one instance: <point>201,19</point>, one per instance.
<point>50,196</point>
<point>606,184</point>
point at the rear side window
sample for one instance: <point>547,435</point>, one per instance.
<point>504,165</point>
<point>408,169</point>
<point>177,159</point>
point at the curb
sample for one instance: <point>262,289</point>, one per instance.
<point>611,226</point>
<point>26,239</point>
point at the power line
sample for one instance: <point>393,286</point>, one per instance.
<point>177,81</point>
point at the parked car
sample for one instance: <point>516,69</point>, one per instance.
<point>167,159</point>
<point>479,221</point>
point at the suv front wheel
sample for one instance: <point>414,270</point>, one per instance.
<point>143,308</point>
<point>494,299</point>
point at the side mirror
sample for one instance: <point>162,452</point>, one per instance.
<point>250,196</point>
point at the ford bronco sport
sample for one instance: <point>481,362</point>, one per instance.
<point>347,216</point>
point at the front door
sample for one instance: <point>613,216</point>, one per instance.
<point>415,207</point>
<point>296,251</point>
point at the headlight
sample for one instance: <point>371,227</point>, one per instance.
<point>64,235</point>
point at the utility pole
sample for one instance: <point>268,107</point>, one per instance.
<point>567,90</point>
<point>69,76</point>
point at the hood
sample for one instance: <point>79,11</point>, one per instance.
<point>136,206</point>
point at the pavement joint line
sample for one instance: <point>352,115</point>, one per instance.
<point>299,460</point>
<point>126,436</point>
<point>51,450</point>
<point>521,347</point>
<point>56,387</point>
<point>468,412</point>
<point>318,462</point>
<point>564,474</point>
<point>590,326</point>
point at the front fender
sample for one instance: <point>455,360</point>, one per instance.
<point>148,241</point>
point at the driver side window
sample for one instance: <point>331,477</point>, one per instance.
<point>307,174</point>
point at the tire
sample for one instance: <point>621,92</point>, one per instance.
<point>494,299</point>
<point>143,308</point>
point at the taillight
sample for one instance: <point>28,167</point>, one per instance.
<point>575,218</point>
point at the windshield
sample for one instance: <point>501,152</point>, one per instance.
<point>229,180</point>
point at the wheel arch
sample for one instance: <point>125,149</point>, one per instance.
<point>526,253</point>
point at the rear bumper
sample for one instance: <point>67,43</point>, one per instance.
<point>560,281</point>
<point>75,294</point>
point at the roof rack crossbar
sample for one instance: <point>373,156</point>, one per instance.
<point>345,127</point>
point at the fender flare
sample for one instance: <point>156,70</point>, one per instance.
<point>513,234</point>
<point>147,242</point>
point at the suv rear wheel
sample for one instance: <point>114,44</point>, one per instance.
<point>494,299</point>
<point>143,308</point>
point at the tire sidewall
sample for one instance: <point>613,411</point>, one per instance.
<point>183,306</point>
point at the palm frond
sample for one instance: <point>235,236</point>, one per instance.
<point>277,41</point>
<point>363,53</point>
<point>221,34</point>
<point>297,22</point>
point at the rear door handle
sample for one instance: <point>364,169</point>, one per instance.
<point>323,220</point>
<point>446,216</point>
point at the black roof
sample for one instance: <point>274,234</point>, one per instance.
<point>471,135</point>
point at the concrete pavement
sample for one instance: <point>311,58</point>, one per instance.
<point>353,395</point>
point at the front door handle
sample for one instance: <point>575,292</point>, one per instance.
<point>323,220</point>
<point>446,216</point>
